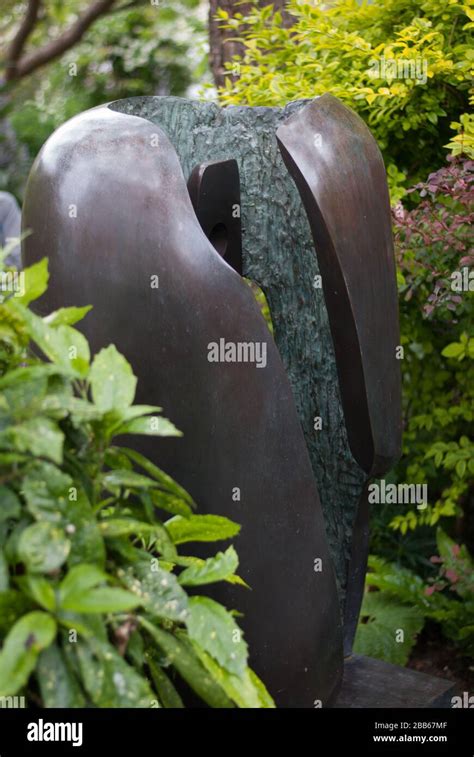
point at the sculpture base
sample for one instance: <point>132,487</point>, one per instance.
<point>373,683</point>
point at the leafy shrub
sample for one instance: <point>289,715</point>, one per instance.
<point>436,313</point>
<point>400,599</point>
<point>94,603</point>
<point>403,66</point>
<point>387,628</point>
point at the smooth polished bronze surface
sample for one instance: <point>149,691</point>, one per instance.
<point>133,220</point>
<point>339,171</point>
<point>214,189</point>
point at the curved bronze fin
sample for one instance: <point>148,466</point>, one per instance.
<point>337,167</point>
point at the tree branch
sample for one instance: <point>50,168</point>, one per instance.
<point>18,42</point>
<point>30,62</point>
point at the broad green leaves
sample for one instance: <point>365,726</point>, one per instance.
<point>246,691</point>
<point>109,680</point>
<point>218,568</point>
<point>79,592</point>
<point>63,345</point>
<point>182,656</point>
<point>67,316</point>
<point>35,282</point>
<point>389,629</point>
<point>58,685</point>
<point>79,580</point>
<point>39,436</point>
<point>31,634</point>
<point>201,528</point>
<point>158,591</point>
<point>101,600</point>
<point>9,504</point>
<point>112,381</point>
<point>214,629</point>
<point>43,547</point>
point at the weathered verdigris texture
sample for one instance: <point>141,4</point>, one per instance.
<point>278,254</point>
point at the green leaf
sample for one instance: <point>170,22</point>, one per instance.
<point>158,590</point>
<point>201,528</point>
<point>81,578</point>
<point>170,503</point>
<point>445,545</point>
<point>36,282</point>
<point>164,481</point>
<point>67,316</point>
<point>87,543</point>
<point>63,345</point>
<point>45,489</point>
<point>247,691</point>
<point>30,374</point>
<point>112,381</point>
<point>167,693</point>
<point>266,700</point>
<point>28,637</point>
<point>40,590</point>
<point>454,350</point>
<point>102,599</point>
<point>214,629</point>
<point>149,425</point>
<point>13,604</point>
<point>9,504</point>
<point>58,686</point>
<point>115,527</point>
<point>4,572</point>
<point>217,568</point>
<point>461,468</point>
<point>126,478</point>
<point>388,629</point>
<point>109,680</point>
<point>43,547</point>
<point>40,436</point>
<point>184,659</point>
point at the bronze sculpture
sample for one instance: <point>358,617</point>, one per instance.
<point>108,204</point>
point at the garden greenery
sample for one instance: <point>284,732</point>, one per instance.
<point>400,599</point>
<point>405,66</point>
<point>95,604</point>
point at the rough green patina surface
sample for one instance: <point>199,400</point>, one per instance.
<point>278,254</point>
